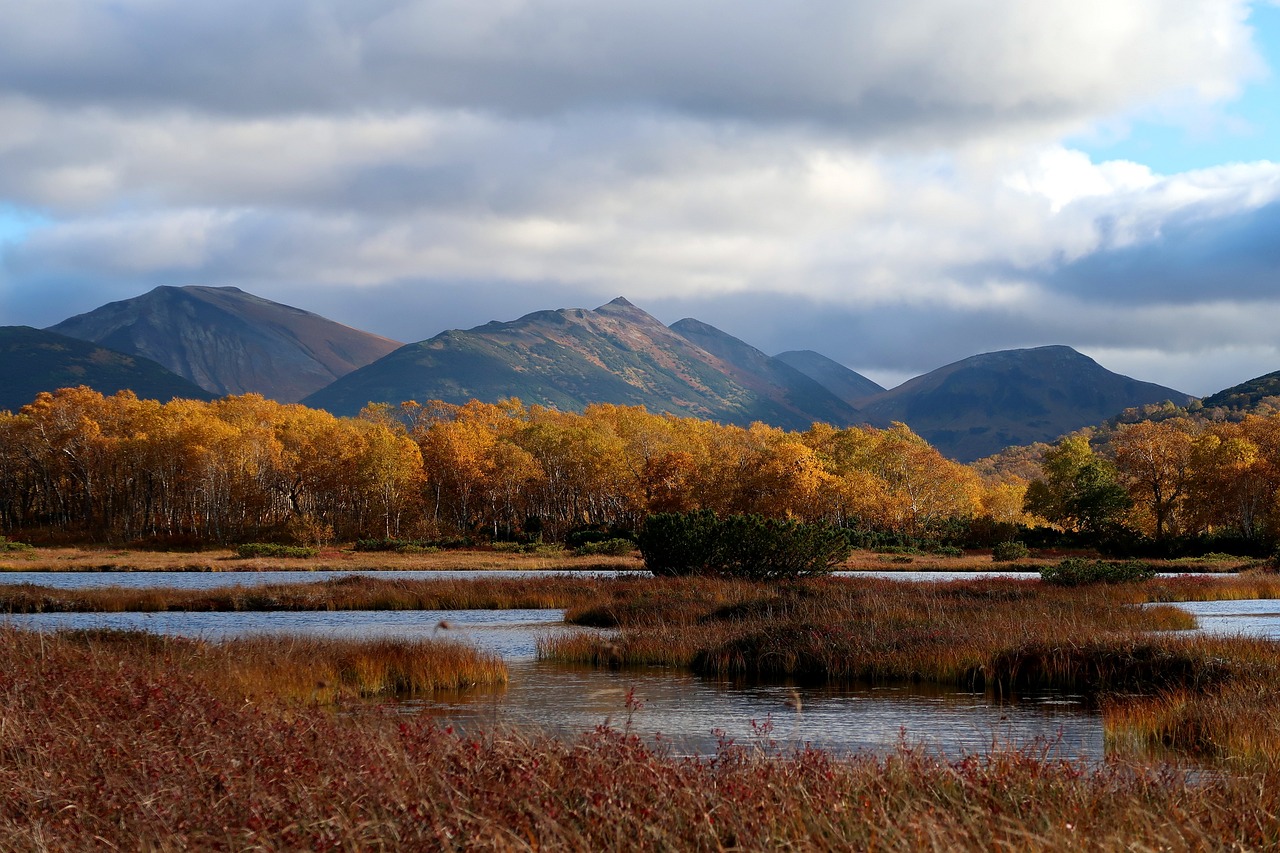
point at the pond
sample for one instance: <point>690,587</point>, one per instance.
<point>1250,617</point>
<point>690,713</point>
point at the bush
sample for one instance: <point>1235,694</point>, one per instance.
<point>605,548</point>
<point>1007,552</point>
<point>744,546</point>
<point>1075,571</point>
<point>9,546</point>
<point>271,549</point>
<point>948,551</point>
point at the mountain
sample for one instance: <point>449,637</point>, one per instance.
<point>975,407</point>
<point>767,375</point>
<point>573,357</point>
<point>846,384</point>
<point>1247,395</point>
<point>231,342</point>
<point>32,361</point>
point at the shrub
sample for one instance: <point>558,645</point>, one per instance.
<point>9,546</point>
<point>948,551</point>
<point>605,548</point>
<point>271,549</point>
<point>1007,552</point>
<point>745,546</point>
<point>1075,571</point>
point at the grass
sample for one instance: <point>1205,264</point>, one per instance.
<point>314,669</point>
<point>342,593</point>
<point>86,559</point>
<point>125,743</point>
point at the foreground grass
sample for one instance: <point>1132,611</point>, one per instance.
<point>103,747</point>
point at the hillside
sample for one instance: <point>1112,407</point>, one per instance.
<point>1247,395</point>
<point>230,342</point>
<point>573,357</point>
<point>32,361</point>
<point>850,386</point>
<point>977,406</point>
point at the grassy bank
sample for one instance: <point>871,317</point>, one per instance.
<point>343,593</point>
<point>131,745</point>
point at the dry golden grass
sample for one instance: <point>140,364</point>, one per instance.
<point>133,746</point>
<point>330,559</point>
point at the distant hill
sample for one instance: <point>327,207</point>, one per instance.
<point>769,376</point>
<point>573,357</point>
<point>1247,395</point>
<point>231,342</point>
<point>850,386</point>
<point>32,361</point>
<point>975,407</point>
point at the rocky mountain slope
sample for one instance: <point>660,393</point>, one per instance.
<point>231,342</point>
<point>570,358</point>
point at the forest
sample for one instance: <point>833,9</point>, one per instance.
<point>75,465</point>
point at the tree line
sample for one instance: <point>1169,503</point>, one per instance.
<point>75,464</point>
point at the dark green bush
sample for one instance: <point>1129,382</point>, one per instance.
<point>1075,571</point>
<point>1007,552</point>
<point>272,549</point>
<point>605,548</point>
<point>745,546</point>
<point>948,551</point>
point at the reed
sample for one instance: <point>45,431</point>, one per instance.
<point>311,669</point>
<point>351,592</point>
<point>105,747</point>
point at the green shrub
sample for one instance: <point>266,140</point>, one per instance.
<point>9,546</point>
<point>271,549</point>
<point>1007,552</point>
<point>948,551</point>
<point>744,546</point>
<point>605,548</point>
<point>412,546</point>
<point>1075,571</point>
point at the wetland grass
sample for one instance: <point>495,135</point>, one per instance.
<point>127,743</point>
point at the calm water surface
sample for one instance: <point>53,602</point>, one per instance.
<point>690,713</point>
<point>1252,617</point>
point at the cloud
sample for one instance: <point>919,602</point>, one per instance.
<point>867,66</point>
<point>883,182</point>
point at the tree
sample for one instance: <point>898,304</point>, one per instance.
<point>1080,490</point>
<point>1154,462</point>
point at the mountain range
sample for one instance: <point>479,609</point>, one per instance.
<point>227,341</point>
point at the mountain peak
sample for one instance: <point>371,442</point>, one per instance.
<point>228,341</point>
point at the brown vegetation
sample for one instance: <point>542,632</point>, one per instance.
<point>128,745</point>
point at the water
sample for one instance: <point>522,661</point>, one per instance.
<point>694,715</point>
<point>1251,618</point>
<point>690,713</point>
<point>511,633</point>
<point>214,580</point>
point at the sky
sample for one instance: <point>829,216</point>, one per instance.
<point>895,185</point>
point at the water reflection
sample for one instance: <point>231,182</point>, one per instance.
<point>510,633</point>
<point>1252,617</point>
<point>683,709</point>
<point>694,714</point>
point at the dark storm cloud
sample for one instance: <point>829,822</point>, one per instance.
<point>862,64</point>
<point>1192,259</point>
